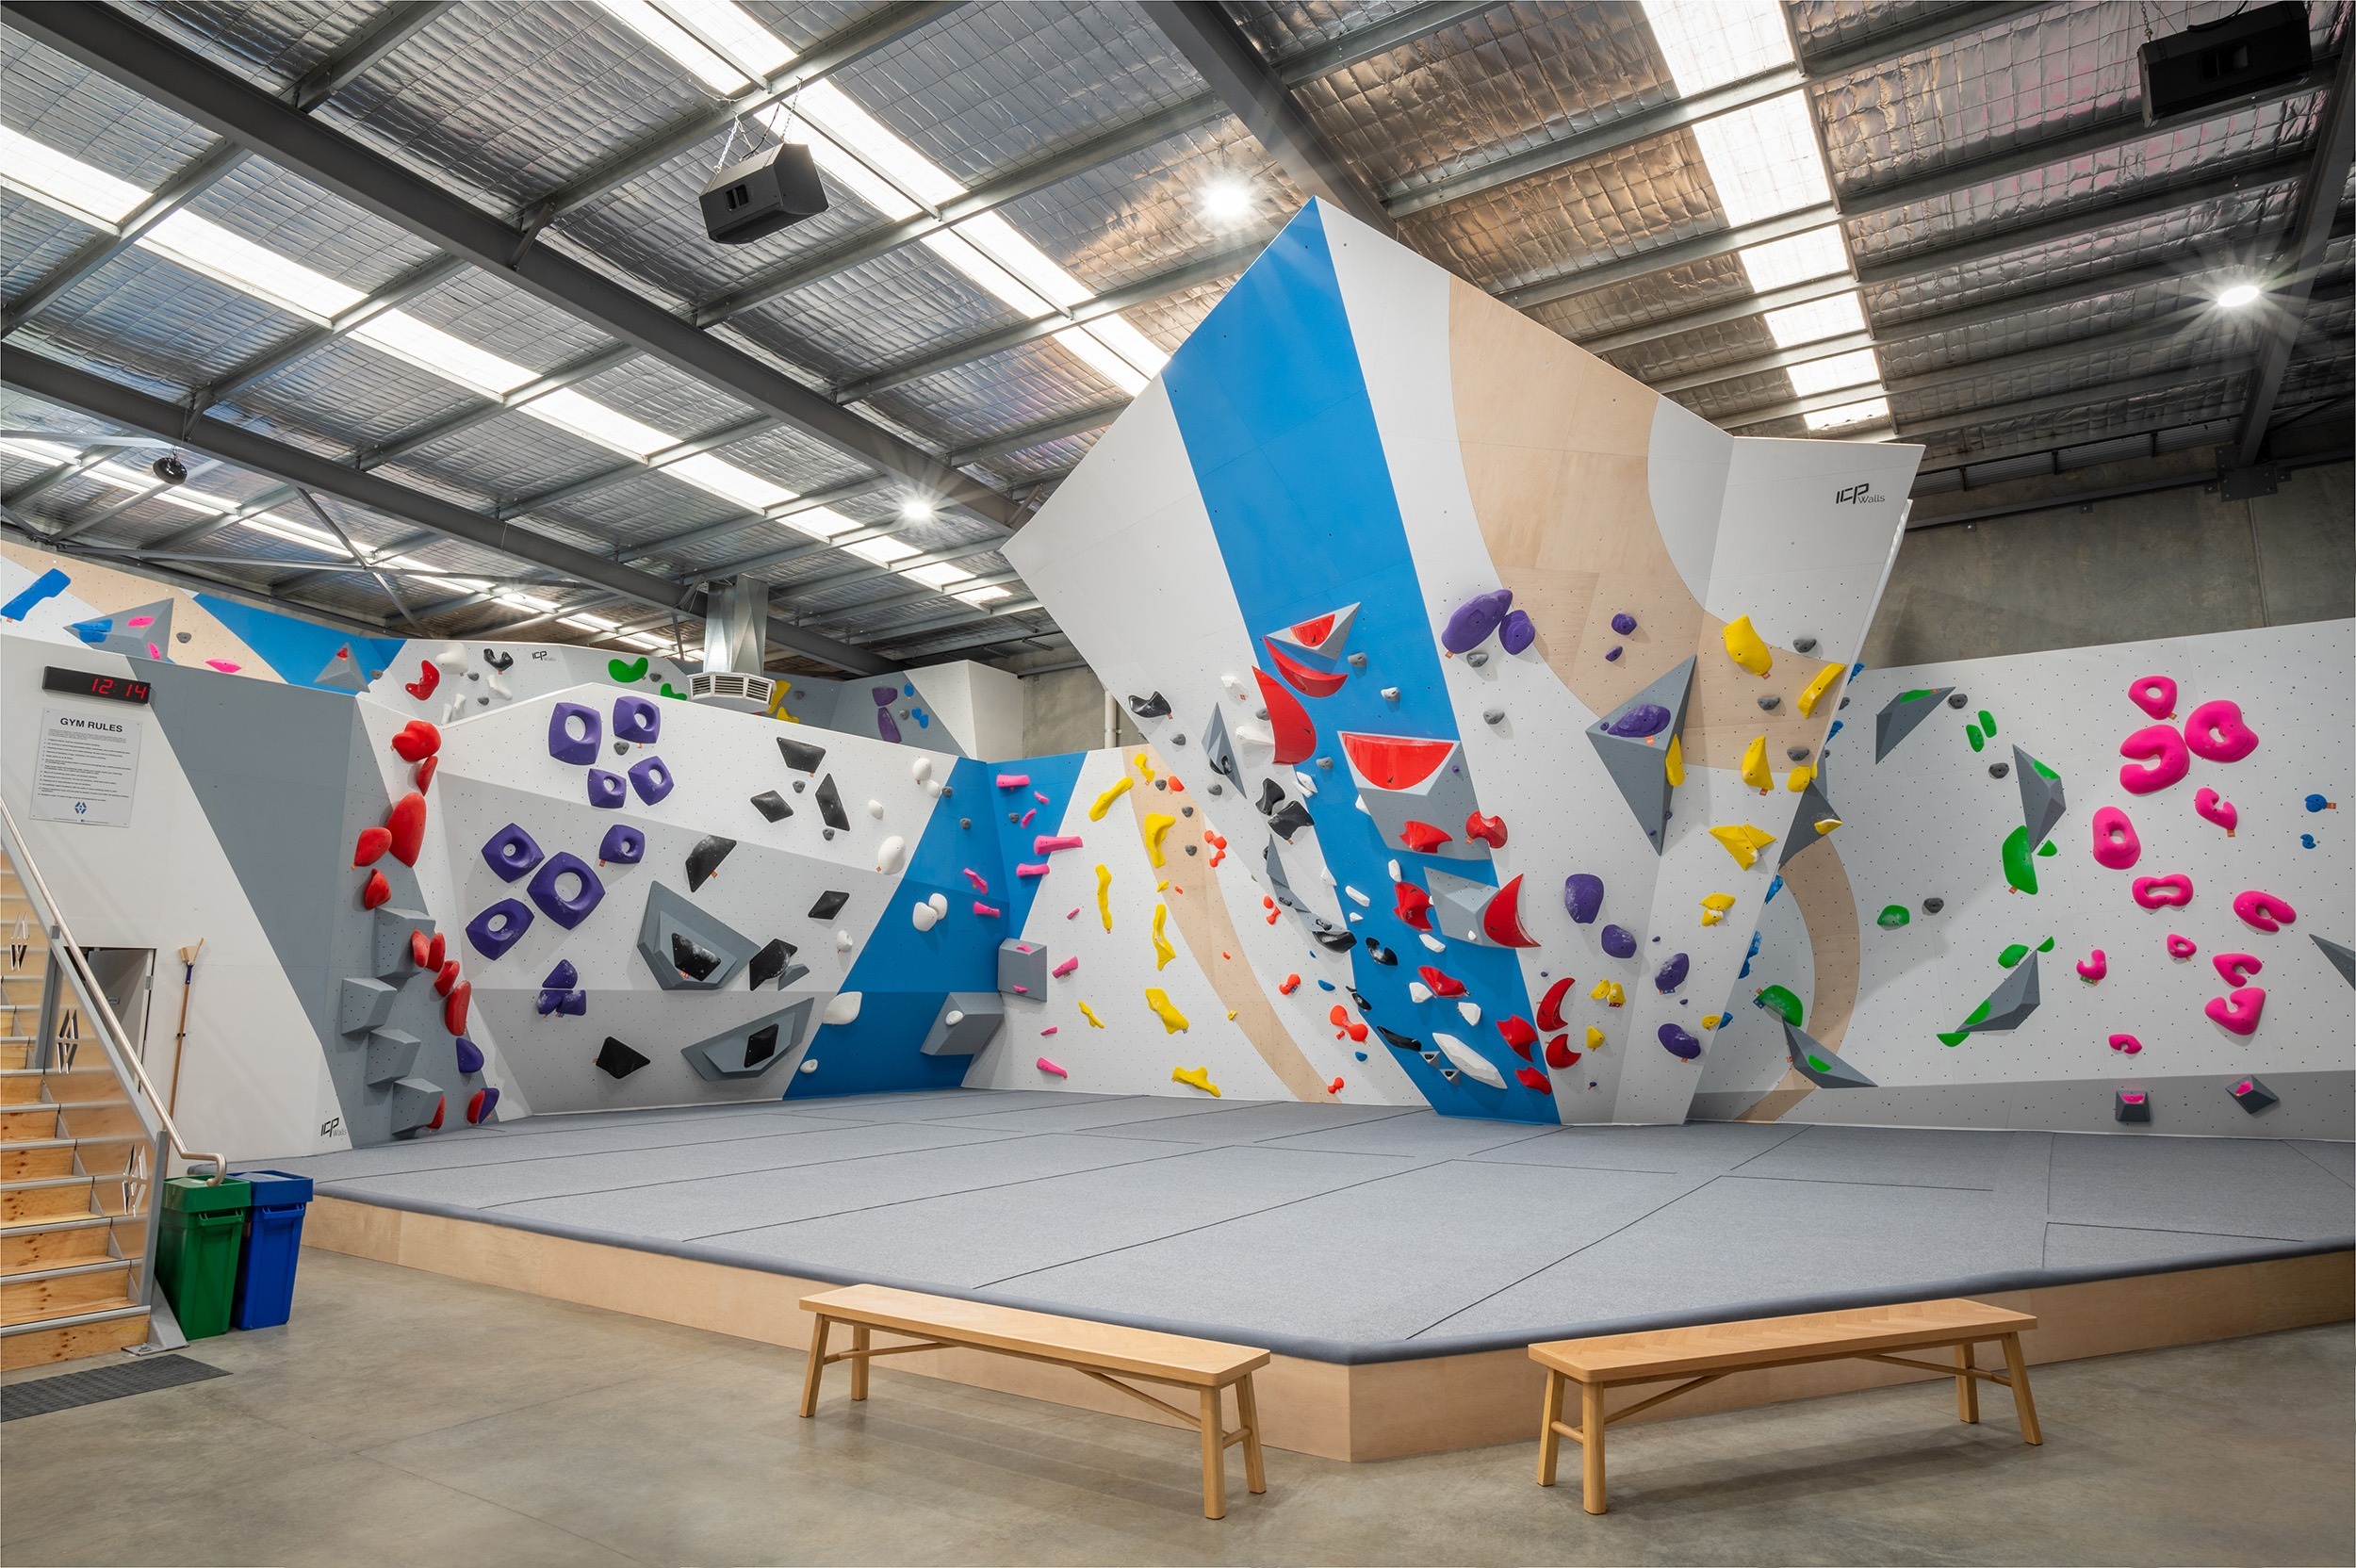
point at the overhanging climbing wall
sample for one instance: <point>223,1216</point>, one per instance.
<point>1370,560</point>
<point>2200,793</point>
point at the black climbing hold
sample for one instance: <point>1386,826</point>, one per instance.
<point>621,748</point>
<point>772,805</point>
<point>828,906</point>
<point>801,784</point>
<point>1014,817</point>
<point>1191,849</point>
<point>761,1044</point>
<point>1177,740</point>
<point>1933,906</point>
<point>618,1060</point>
<point>1844,702</point>
<point>828,834</point>
<point>1960,701</point>
<point>1477,657</point>
<point>1798,754</point>
<point>946,792</point>
<point>768,963</point>
<point>1154,707</point>
<point>1493,715</point>
<point>1289,819</point>
<point>1380,953</point>
<point>1215,789</point>
<point>1803,644</point>
<point>1161,783</point>
<point>184,636</point>
<point>499,662</point>
<point>692,958</point>
<point>1186,810</point>
<point>1998,770</point>
<point>1271,796</point>
<point>474,674</point>
<point>1336,941</point>
<point>831,803</point>
<point>1771,703</point>
<point>704,859</point>
<point>1398,1041</point>
<point>800,754</point>
<point>1357,1001</point>
<point>966,822</point>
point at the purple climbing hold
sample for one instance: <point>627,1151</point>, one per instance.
<point>470,1055</point>
<point>1612,655</point>
<point>605,789</point>
<point>486,1099</point>
<point>498,928</point>
<point>1678,1043</point>
<point>563,976</point>
<point>650,778</point>
<point>510,852</point>
<point>636,718</point>
<point>623,845</point>
<point>1474,619</point>
<point>574,1003</point>
<point>1646,718</point>
<point>1624,623</point>
<point>563,745</point>
<point>1671,973</point>
<point>884,696</point>
<point>1516,632</point>
<point>1618,943</point>
<point>1582,895</point>
<point>547,890</point>
<point>887,727</point>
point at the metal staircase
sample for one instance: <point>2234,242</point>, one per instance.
<point>83,1136</point>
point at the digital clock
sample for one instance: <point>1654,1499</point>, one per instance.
<point>83,684</point>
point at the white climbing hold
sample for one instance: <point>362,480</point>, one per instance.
<point>844,1008</point>
<point>1355,917</point>
<point>810,1064</point>
<point>1434,943</point>
<point>843,940</point>
<point>932,789</point>
<point>1468,1061</point>
<point>921,768</point>
<point>924,917</point>
<point>1308,785</point>
<point>891,853</point>
<point>1253,735</point>
<point>1234,686</point>
<point>875,810</point>
<point>1471,1011</point>
<point>953,1017</point>
<point>1393,869</point>
<point>1358,898</point>
<point>1417,992</point>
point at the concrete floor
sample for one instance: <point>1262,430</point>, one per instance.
<point>403,1417</point>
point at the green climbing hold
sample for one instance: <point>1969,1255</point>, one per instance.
<point>1972,734</point>
<point>1782,1002</point>
<point>2043,769</point>
<point>1987,724</point>
<point>1977,1013</point>
<point>1913,696</point>
<point>1891,917</point>
<point>668,693</point>
<point>2048,849</point>
<point>2013,955</point>
<point>1819,1063</point>
<point>627,673</point>
<point>1955,1038</point>
<point>2019,871</point>
<point>2046,946</point>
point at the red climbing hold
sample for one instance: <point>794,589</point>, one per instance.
<point>377,891</point>
<point>1412,904</point>
<point>1295,737</point>
<point>429,679</point>
<point>1489,830</point>
<point>1422,837</point>
<point>454,1008</point>
<point>445,979</point>
<point>1292,984</point>
<point>1313,633</point>
<point>1333,1087</point>
<point>1550,1010</point>
<point>434,952</point>
<point>418,949</point>
<point>474,1105</point>
<point>373,842</point>
<point>417,741</point>
<point>1309,682</point>
<point>407,822</point>
<point>1559,1052</point>
<point>1501,917</point>
<point>1518,1034</point>
<point>435,1125</point>
<point>1441,983</point>
<point>1534,1079</point>
<point>1394,761</point>
<point>425,771</point>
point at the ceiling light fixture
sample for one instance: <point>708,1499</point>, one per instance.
<point>916,509</point>
<point>2238,296</point>
<point>1226,201</point>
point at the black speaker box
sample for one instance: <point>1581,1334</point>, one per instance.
<point>764,194</point>
<point>2246,53</point>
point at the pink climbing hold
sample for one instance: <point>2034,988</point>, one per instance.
<point>2155,694</point>
<point>985,910</point>
<point>2238,1012</point>
<point>2216,734</point>
<point>1027,816</point>
<point>224,666</point>
<point>2160,892</point>
<point>1040,795</point>
<point>1066,967</point>
<point>2094,965</point>
<point>2180,947</point>
<point>2127,1043</point>
<point>2163,749</point>
<point>1014,780</point>
<point>2217,808</point>
<point>1039,870</point>
<point>1046,1066</point>
<point>137,621</point>
<point>2264,911</point>
<point>1049,1030</point>
<point>980,886</point>
<point>1072,915</point>
<point>2235,969</point>
<point>2115,842</point>
<point>1045,845</point>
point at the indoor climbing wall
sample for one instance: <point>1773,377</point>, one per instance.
<point>2102,889</point>
<point>1498,679</point>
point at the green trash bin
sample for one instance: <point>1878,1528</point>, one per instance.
<point>196,1255</point>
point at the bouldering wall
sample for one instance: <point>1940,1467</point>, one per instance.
<point>1437,614</point>
<point>2160,923</point>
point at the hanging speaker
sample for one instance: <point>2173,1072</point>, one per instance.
<point>764,194</point>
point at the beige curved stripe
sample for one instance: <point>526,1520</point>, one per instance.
<point>1819,886</point>
<point>1556,446</point>
<point>1199,915</point>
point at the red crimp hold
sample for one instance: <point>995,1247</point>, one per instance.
<point>1534,1079</point>
<point>373,842</point>
<point>1412,904</point>
<point>377,891</point>
<point>1489,830</point>
<point>1291,984</point>
<point>1559,1052</point>
<point>454,1008</point>
<point>1441,983</point>
<point>406,822</point>
<point>1422,837</point>
<point>429,680</point>
<point>1550,1010</point>
<point>425,771</point>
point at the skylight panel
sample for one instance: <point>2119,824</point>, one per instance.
<point>725,80</point>
<point>48,453</point>
<point>883,550</point>
<point>1763,159</point>
<point>1815,321</point>
<point>820,522</point>
<point>232,259</point>
<point>37,170</point>
<point>1849,413</point>
<point>1092,352</point>
<point>526,602</point>
<point>1129,343</point>
<point>1711,43</point>
<point>729,482</point>
<point>996,280</point>
<point>647,641</point>
<point>746,40</point>
<point>592,421</point>
<point>867,138</point>
<point>298,533</point>
<point>586,623</point>
<point>979,596</point>
<point>938,575</point>
<point>996,238</point>
<point>1828,375</point>
<point>430,348</point>
<point>1802,258</point>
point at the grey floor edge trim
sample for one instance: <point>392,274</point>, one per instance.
<point>115,1381</point>
<point>1359,1353</point>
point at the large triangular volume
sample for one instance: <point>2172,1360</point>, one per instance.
<point>1634,739</point>
<point>342,672</point>
<point>2041,804</point>
<point>1219,751</point>
<point>1324,634</point>
<point>1901,714</point>
<point>1820,1065</point>
<point>2009,1004</point>
<point>1807,822</point>
<point>2343,957</point>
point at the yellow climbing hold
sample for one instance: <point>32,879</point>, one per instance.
<point>1105,894</point>
<point>1594,1038</point>
<point>1742,841</point>
<point>1174,1021</point>
<point>1163,952</point>
<point>1195,1077</point>
<point>1799,779</point>
<point>1755,769</point>
<point>1163,886</point>
<point>1104,802</point>
<point>1714,907</point>
<point>1818,687</point>
<point>1231,1015</point>
<point>1747,648</point>
<point>1143,766</point>
<point>1826,825</point>
<point>1608,992</point>
<point>1712,1021</point>
<point>1157,826</point>
<point>1089,1013</point>
<point>1675,769</point>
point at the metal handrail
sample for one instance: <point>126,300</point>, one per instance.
<point>112,1036</point>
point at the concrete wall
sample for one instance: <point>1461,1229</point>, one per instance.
<point>2170,564</point>
<point>1064,711</point>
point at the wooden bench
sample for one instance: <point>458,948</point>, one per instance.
<point>1105,1351</point>
<point>1708,1352</point>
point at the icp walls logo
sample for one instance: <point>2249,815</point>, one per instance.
<point>1858,495</point>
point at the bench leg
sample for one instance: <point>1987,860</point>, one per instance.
<point>1247,1410</point>
<point>859,1360</point>
<point>816,1368</point>
<point>1591,1446</point>
<point>1550,1440</point>
<point>2017,1365</point>
<point>1214,1457</point>
<point>1966,1387</point>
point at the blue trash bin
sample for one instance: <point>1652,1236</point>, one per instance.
<point>274,1237</point>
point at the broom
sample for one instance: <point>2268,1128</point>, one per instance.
<point>180,1036</point>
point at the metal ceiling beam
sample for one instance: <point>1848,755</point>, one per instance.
<point>1039,434</point>
<point>1928,24</point>
<point>206,583</point>
<point>1586,280</point>
<point>411,284</point>
<point>233,444</point>
<point>1225,58</point>
<point>1782,359</point>
<point>485,408</point>
<point>934,646</point>
<point>2182,379</point>
<point>1732,310</point>
<point>395,26</point>
<point>2319,195</point>
<point>192,180</point>
<point>1364,43</point>
<point>105,40</point>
